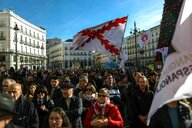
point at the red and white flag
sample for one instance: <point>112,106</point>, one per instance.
<point>104,38</point>
<point>144,38</point>
<point>175,81</point>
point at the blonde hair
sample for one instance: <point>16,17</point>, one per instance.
<point>144,77</point>
<point>104,90</point>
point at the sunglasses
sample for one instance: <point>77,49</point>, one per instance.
<point>102,96</point>
<point>88,89</point>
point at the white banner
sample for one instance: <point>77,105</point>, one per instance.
<point>175,81</point>
<point>123,59</point>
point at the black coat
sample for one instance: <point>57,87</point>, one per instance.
<point>140,105</point>
<point>74,111</point>
<point>27,114</point>
<point>49,104</point>
<point>56,94</point>
<point>161,118</point>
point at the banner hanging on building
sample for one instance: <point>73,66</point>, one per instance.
<point>144,38</point>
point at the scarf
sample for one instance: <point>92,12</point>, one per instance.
<point>99,109</point>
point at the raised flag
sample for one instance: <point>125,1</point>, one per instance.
<point>144,38</point>
<point>104,38</point>
<point>175,81</point>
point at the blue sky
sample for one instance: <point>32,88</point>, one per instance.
<point>64,18</point>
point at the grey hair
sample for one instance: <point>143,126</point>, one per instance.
<point>11,81</point>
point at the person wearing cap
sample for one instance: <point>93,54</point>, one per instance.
<point>72,105</point>
<point>27,115</point>
<point>7,105</point>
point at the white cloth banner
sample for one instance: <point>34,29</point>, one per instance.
<point>104,38</point>
<point>123,59</point>
<point>144,38</point>
<point>175,81</point>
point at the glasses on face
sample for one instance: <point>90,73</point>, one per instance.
<point>99,95</point>
<point>10,92</point>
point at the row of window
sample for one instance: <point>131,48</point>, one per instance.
<point>35,43</point>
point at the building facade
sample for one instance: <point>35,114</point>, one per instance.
<point>61,57</point>
<point>145,55</point>
<point>25,47</point>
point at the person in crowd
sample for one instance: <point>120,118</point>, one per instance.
<point>58,119</point>
<point>153,81</point>
<point>66,79</point>
<point>102,113</point>
<point>27,115</point>
<point>131,91</point>
<point>29,80</point>
<point>91,74</point>
<point>54,91</point>
<point>175,114</point>
<point>7,106</point>
<point>140,103</point>
<point>42,103</point>
<point>89,97</point>
<point>114,94</point>
<point>80,87</point>
<point>98,80</point>
<point>110,84</point>
<point>6,83</point>
<point>135,76</point>
<point>123,85</point>
<point>72,105</point>
<point>30,93</point>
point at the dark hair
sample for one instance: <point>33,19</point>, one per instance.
<point>40,88</point>
<point>61,112</point>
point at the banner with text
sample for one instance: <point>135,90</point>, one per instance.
<point>175,81</point>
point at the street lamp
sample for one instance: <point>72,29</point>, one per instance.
<point>135,31</point>
<point>16,31</point>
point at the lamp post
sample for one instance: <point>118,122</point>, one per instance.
<point>16,53</point>
<point>135,31</point>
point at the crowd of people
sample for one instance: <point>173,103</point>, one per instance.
<point>85,99</point>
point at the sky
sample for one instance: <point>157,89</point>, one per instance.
<point>65,18</point>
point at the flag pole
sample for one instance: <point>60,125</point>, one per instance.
<point>124,33</point>
<point>123,38</point>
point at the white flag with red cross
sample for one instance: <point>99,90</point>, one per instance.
<point>175,81</point>
<point>104,38</point>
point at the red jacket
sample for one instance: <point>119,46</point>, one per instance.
<point>111,111</point>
